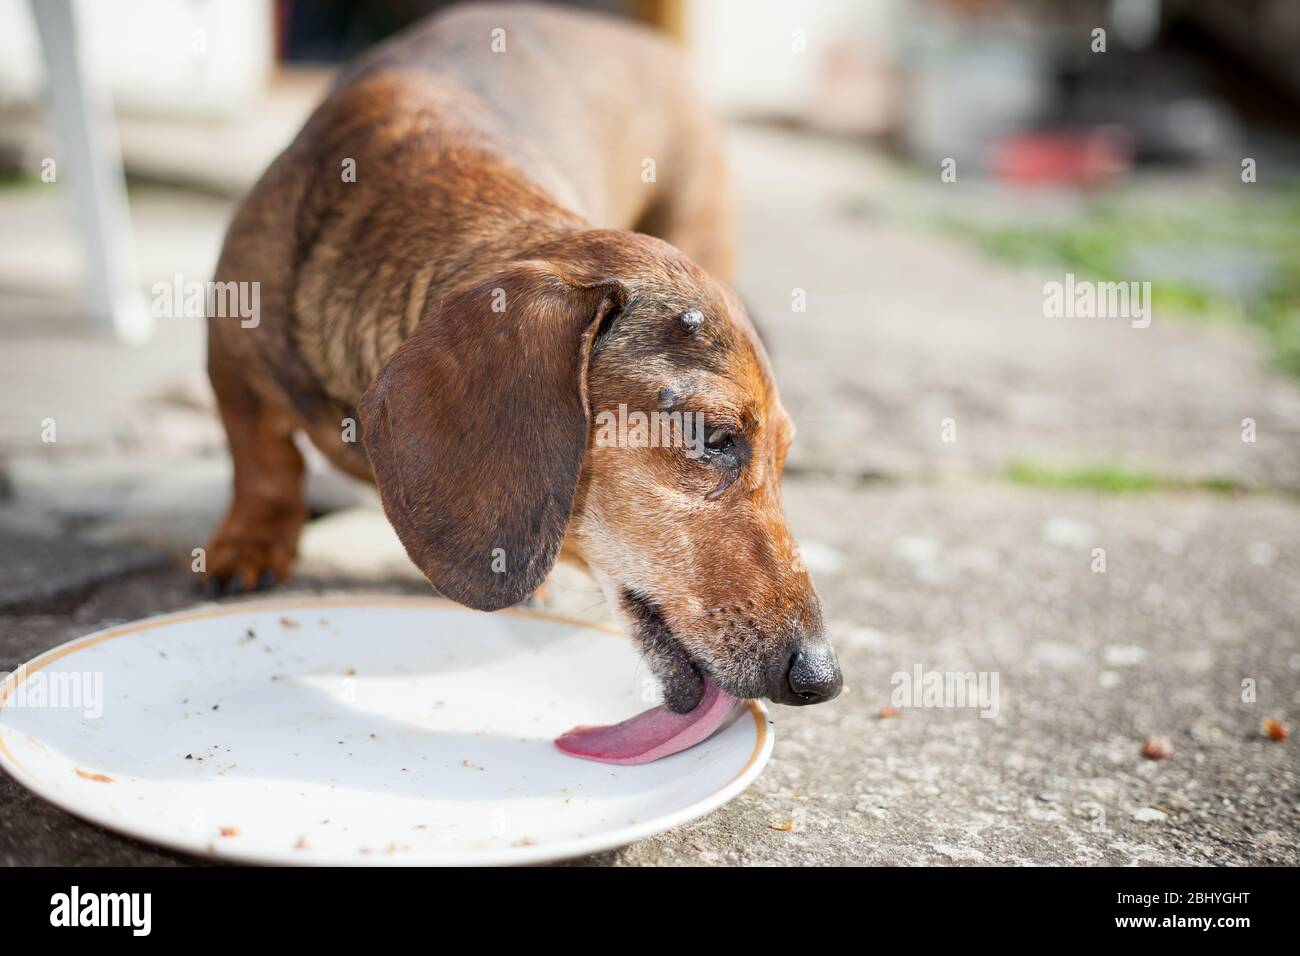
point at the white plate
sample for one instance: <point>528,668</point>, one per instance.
<point>339,730</point>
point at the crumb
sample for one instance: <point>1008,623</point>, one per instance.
<point>524,841</point>
<point>97,777</point>
<point>887,712</point>
<point>349,672</point>
<point>228,831</point>
<point>288,623</point>
<point>1157,748</point>
<point>301,844</point>
<point>785,826</point>
<point>189,756</point>
<point>1274,729</point>
<point>216,706</point>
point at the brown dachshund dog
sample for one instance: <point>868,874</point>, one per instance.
<point>498,226</point>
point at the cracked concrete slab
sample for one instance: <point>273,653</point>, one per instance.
<point>40,571</point>
<point>1195,598</point>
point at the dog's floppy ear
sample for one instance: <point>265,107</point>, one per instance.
<point>477,426</point>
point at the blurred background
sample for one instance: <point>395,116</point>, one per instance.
<point>910,175</point>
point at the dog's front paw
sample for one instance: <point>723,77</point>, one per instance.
<point>250,558</point>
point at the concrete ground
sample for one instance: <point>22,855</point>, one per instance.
<point>924,553</point>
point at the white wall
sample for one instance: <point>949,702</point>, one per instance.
<point>175,57</point>
<point>742,50</point>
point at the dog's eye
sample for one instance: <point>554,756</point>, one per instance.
<point>717,439</point>
<point>722,451</point>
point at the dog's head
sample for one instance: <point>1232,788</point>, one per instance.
<point>609,391</point>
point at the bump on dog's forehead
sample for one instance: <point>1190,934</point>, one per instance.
<point>718,365</point>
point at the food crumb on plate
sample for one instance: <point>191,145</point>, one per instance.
<point>228,831</point>
<point>97,777</point>
<point>888,712</point>
<point>288,623</point>
<point>785,826</point>
<point>524,841</point>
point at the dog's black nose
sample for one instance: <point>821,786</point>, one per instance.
<point>814,674</point>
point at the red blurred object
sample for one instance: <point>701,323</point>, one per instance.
<point>1086,158</point>
<point>1157,748</point>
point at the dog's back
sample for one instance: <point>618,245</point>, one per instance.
<point>579,102</point>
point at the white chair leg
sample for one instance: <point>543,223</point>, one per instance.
<point>92,160</point>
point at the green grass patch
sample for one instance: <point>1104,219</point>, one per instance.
<point>1111,479</point>
<point>11,178</point>
<point>1096,245</point>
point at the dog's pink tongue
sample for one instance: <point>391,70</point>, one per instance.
<point>656,733</point>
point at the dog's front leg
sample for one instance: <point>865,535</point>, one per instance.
<point>254,545</point>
